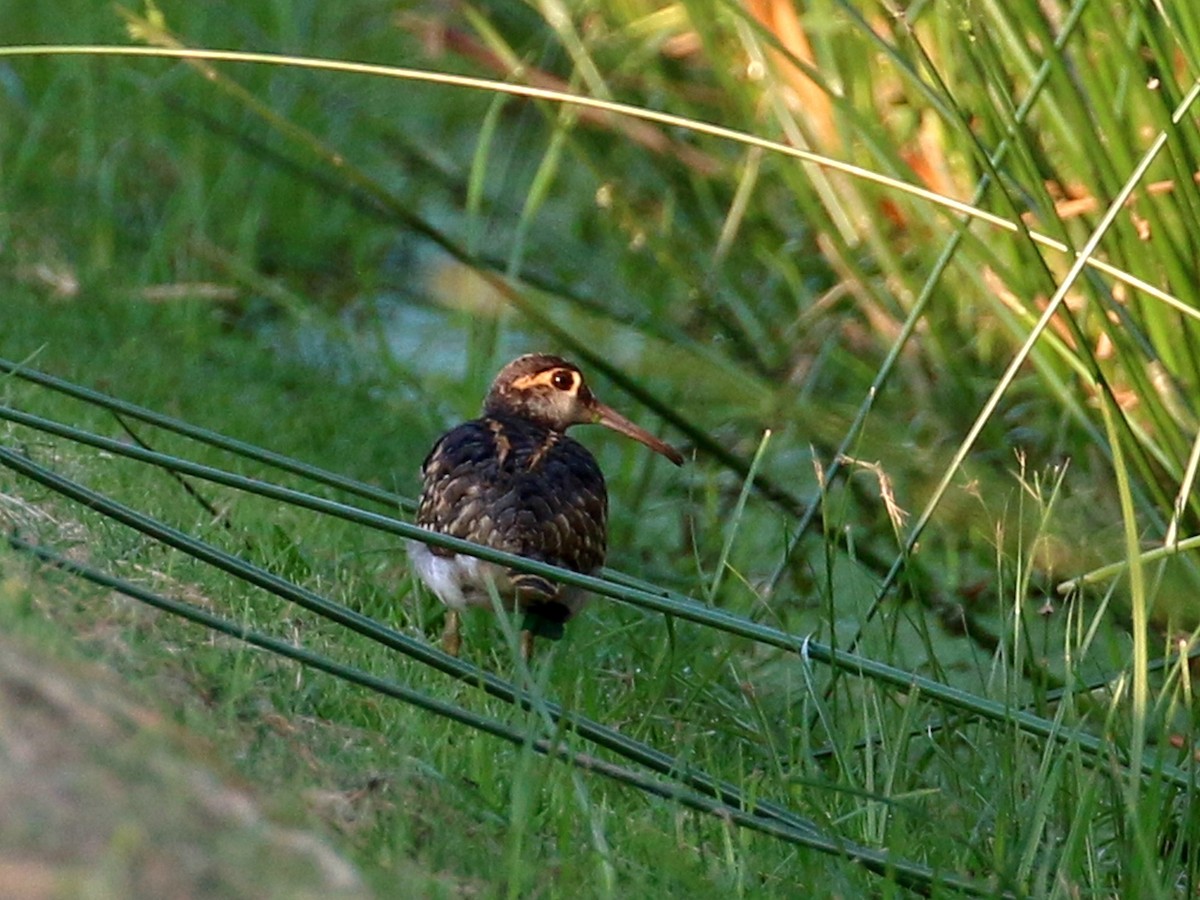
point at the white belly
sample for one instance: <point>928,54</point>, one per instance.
<point>462,581</point>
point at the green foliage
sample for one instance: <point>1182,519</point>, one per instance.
<point>333,265</point>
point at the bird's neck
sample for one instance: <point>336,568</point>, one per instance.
<point>516,413</point>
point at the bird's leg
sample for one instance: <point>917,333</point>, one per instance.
<point>451,640</point>
<point>526,644</point>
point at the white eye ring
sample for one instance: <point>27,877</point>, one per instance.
<point>563,380</point>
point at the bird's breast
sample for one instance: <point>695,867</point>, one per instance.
<point>519,487</point>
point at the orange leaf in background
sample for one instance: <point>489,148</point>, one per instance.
<point>781,19</point>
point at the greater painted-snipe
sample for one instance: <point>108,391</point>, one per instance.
<point>512,480</point>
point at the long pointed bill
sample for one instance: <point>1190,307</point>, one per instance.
<point>609,417</point>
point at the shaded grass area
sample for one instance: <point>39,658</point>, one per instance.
<point>116,799</point>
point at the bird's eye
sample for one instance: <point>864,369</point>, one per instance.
<point>563,380</point>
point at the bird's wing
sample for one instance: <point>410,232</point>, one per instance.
<point>518,488</point>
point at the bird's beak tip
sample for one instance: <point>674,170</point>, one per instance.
<point>609,417</point>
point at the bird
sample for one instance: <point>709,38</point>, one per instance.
<point>513,480</point>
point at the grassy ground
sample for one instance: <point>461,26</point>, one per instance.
<point>312,262</point>
<point>401,788</point>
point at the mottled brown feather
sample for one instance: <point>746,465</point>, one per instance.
<point>514,485</point>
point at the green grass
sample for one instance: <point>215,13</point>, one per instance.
<point>333,266</point>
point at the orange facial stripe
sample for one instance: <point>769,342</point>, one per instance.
<point>545,379</point>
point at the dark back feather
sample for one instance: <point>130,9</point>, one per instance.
<point>514,485</point>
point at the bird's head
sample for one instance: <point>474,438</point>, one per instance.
<point>550,391</point>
